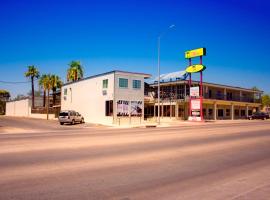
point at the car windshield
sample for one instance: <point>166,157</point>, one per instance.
<point>63,114</point>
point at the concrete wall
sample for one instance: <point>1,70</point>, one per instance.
<point>22,108</point>
<point>19,108</point>
<point>88,98</point>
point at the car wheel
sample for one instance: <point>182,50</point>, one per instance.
<point>61,123</point>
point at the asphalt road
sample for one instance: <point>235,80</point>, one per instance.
<point>43,160</point>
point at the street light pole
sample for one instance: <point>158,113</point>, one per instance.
<point>159,79</point>
<point>159,37</point>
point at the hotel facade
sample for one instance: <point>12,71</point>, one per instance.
<point>219,101</point>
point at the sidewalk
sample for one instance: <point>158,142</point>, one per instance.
<point>180,123</point>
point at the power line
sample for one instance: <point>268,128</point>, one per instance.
<point>15,82</point>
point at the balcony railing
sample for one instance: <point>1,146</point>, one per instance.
<point>173,96</point>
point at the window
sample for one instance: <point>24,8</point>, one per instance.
<point>123,83</point>
<point>243,113</point>
<point>220,112</point>
<point>236,112</point>
<point>228,112</point>
<point>65,91</point>
<point>136,84</point>
<point>109,108</point>
<point>105,84</point>
<point>210,94</point>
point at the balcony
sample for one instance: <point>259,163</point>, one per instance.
<point>232,98</point>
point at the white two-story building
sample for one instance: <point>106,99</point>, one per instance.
<point>115,97</point>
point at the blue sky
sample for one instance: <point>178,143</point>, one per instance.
<point>106,35</point>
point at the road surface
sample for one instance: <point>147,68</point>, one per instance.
<point>43,160</point>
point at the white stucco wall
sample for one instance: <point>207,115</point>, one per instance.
<point>129,94</point>
<point>19,108</point>
<point>22,108</point>
<point>86,97</point>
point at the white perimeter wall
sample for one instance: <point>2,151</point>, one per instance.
<point>87,98</point>
<point>22,108</point>
<point>19,108</point>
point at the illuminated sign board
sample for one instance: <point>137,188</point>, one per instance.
<point>195,53</point>
<point>195,104</point>
<point>194,91</point>
<point>195,68</point>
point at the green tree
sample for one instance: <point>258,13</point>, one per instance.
<point>75,71</point>
<point>32,73</point>
<point>266,100</point>
<point>42,84</point>
<point>47,86</point>
<point>4,96</point>
<point>56,83</point>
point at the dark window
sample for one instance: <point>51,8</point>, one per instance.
<point>236,112</point>
<point>243,112</point>
<point>65,91</point>
<point>210,112</point>
<point>210,93</point>
<point>105,84</point>
<point>220,112</point>
<point>109,108</point>
<point>123,83</point>
<point>136,84</point>
<point>228,112</point>
<point>63,114</point>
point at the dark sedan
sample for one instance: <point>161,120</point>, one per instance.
<point>259,115</point>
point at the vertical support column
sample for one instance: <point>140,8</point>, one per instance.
<point>215,111</point>
<point>189,88</point>
<point>162,110</point>
<point>247,111</point>
<point>155,109</point>
<point>170,109</point>
<point>232,112</point>
<point>176,110</point>
<point>207,112</point>
<point>201,92</point>
<point>225,94</point>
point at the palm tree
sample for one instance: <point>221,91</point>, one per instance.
<point>32,73</point>
<point>47,86</point>
<point>42,85</point>
<point>56,83</point>
<point>75,71</point>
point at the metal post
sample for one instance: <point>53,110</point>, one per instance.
<point>189,88</point>
<point>201,96</point>
<point>159,80</point>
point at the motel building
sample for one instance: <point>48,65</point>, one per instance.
<point>120,98</point>
<point>220,102</point>
<point>115,97</point>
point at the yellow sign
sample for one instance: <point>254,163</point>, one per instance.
<point>195,68</point>
<point>195,53</point>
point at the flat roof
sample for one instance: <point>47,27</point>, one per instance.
<point>110,72</point>
<point>207,83</point>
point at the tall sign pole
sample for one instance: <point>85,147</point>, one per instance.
<point>195,93</point>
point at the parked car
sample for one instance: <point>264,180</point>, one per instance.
<point>70,116</point>
<point>258,115</point>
